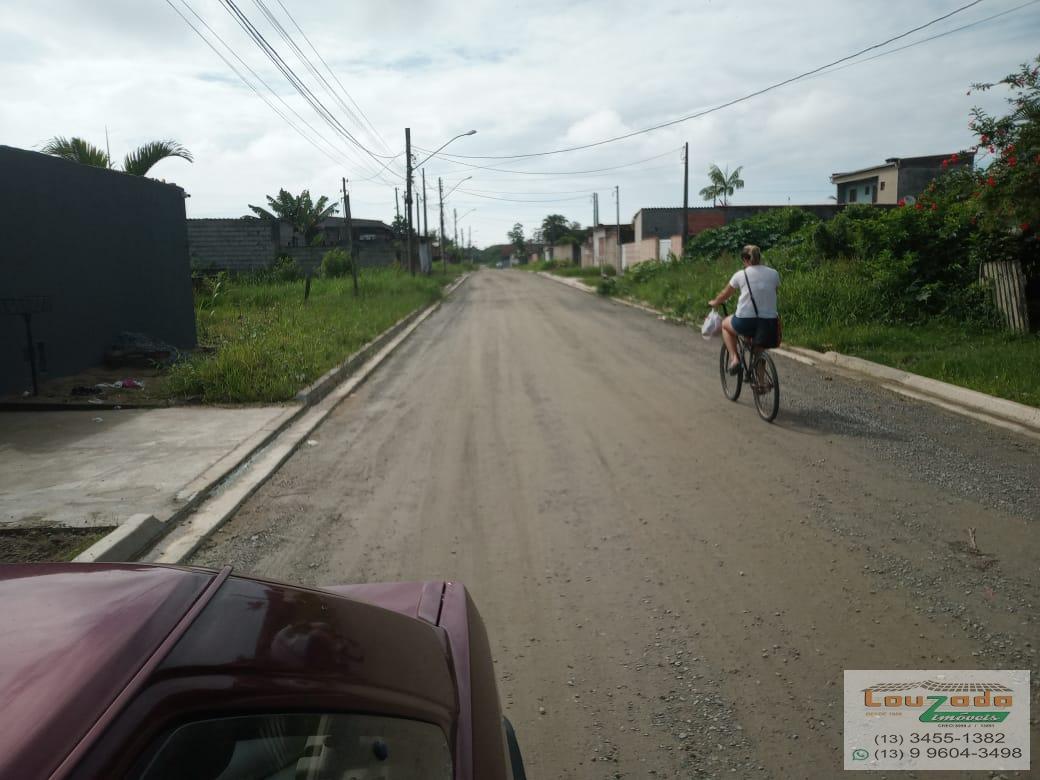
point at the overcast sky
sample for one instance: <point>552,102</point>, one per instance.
<point>528,76</point>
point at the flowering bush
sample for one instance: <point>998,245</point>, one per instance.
<point>1009,198</point>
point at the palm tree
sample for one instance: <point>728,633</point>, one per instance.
<point>711,192</point>
<point>722,184</point>
<point>299,211</point>
<point>137,163</point>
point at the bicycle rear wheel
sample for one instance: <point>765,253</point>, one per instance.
<point>730,383</point>
<point>765,384</point>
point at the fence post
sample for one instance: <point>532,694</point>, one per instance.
<point>1009,292</point>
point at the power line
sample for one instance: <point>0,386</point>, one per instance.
<point>249,84</point>
<point>334,76</point>
<point>301,88</point>
<point>306,62</point>
<point>929,38</point>
<point>513,200</point>
<point>562,173</point>
<point>721,106</point>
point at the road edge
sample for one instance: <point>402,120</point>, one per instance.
<point>142,532</point>
<point>1000,412</point>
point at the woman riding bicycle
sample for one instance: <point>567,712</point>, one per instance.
<point>756,314</point>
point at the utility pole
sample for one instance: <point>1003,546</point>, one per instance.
<point>440,190</point>
<point>425,213</point>
<point>408,192</point>
<point>456,213</point>
<point>617,197</point>
<point>469,244</point>
<point>426,219</point>
<point>685,200</point>
<point>397,204</point>
<point>350,236</point>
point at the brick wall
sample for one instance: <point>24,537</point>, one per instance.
<point>251,244</point>
<point>705,220</point>
<point>232,244</point>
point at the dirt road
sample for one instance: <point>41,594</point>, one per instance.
<point>673,588</point>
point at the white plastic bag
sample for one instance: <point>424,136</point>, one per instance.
<point>712,325</point>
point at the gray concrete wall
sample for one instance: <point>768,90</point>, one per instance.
<point>821,210</point>
<point>658,223</point>
<point>371,254</point>
<point>232,244</point>
<point>109,251</point>
<point>239,245</point>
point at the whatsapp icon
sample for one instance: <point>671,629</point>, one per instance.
<point>859,754</point>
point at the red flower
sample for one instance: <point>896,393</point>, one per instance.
<point>1024,226</point>
<point>991,181</point>
<point>954,158</point>
<point>935,207</point>
<point>1012,160</point>
<point>945,163</point>
<point>918,206</point>
<point>984,139</point>
<point>902,202</point>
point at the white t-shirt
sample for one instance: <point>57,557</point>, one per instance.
<point>764,281</point>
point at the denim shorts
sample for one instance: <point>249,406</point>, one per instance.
<point>745,326</point>
<point>761,330</point>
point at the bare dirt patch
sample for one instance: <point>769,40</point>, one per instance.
<point>36,545</point>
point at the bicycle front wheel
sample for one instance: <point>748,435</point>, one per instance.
<point>730,383</point>
<point>766,386</point>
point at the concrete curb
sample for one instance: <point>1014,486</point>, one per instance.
<point>124,542</point>
<point>970,403</point>
<point>222,500</point>
<point>136,536</point>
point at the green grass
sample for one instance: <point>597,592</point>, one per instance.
<point>838,310</point>
<point>1000,364</point>
<point>263,343</point>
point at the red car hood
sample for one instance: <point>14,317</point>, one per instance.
<point>74,638</point>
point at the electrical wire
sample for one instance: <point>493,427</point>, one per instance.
<point>727,104</point>
<point>301,88</point>
<point>237,72</point>
<point>334,76</point>
<point>561,173</point>
<point>313,70</point>
<point>513,200</point>
<point>925,40</point>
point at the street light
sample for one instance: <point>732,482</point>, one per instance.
<point>456,212</point>
<point>431,154</point>
<point>408,180</point>
<point>457,185</point>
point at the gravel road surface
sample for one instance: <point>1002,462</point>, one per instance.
<point>672,587</point>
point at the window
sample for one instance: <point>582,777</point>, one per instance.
<point>852,194</point>
<point>882,185</point>
<point>277,747</point>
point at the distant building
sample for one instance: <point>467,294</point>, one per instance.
<point>896,179</point>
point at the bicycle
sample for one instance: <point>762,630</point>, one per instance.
<point>758,370</point>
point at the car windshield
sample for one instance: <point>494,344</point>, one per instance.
<point>291,746</point>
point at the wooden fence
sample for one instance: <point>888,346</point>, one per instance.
<point>1009,290</point>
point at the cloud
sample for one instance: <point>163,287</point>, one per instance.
<point>528,76</point>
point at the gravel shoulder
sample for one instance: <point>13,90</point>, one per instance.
<point>672,587</point>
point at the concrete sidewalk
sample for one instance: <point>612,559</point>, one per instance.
<point>98,468</point>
